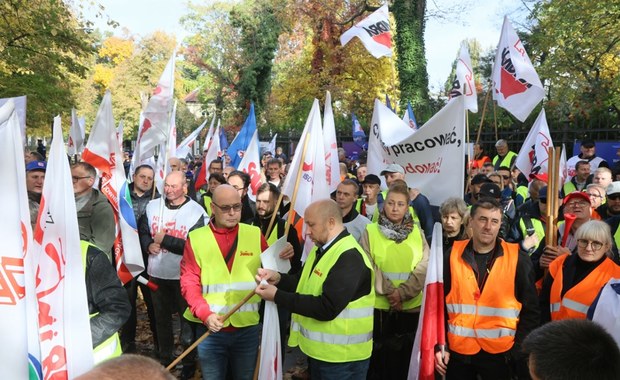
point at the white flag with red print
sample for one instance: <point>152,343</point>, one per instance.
<point>332,165</point>
<point>312,183</point>
<point>75,143</point>
<point>64,327</point>
<point>207,142</point>
<point>465,83</point>
<point>104,153</point>
<point>431,329</point>
<point>250,163</point>
<point>20,351</point>
<point>374,32</point>
<point>533,158</point>
<point>185,147</point>
<point>516,86</point>
<point>154,129</point>
<point>213,153</point>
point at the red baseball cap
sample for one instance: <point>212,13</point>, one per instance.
<point>576,194</point>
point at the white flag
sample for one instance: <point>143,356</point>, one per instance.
<point>312,184</point>
<point>272,144</point>
<point>19,103</point>
<point>374,32</point>
<point>332,165</point>
<point>154,129</point>
<point>465,83</point>
<point>207,142</point>
<point>167,150</point>
<point>104,153</point>
<point>64,327</point>
<point>516,85</point>
<point>435,154</point>
<point>533,157</point>
<point>75,142</point>
<point>185,147</point>
<point>250,163</point>
<point>19,350</point>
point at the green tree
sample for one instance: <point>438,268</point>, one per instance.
<point>577,44</point>
<point>44,51</point>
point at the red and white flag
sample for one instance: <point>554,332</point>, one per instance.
<point>250,163</point>
<point>167,150</point>
<point>431,329</point>
<point>75,143</point>
<point>563,165</point>
<point>332,165</point>
<point>154,129</point>
<point>533,158</point>
<point>516,86</point>
<point>213,153</point>
<point>465,83</point>
<point>209,136</point>
<point>20,351</point>
<point>374,32</point>
<point>103,151</point>
<point>64,327</point>
<point>185,147</point>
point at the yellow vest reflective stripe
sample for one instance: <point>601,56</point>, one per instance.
<point>539,229</point>
<point>484,320</point>
<point>223,289</point>
<point>111,347</point>
<point>346,338</point>
<point>396,261</point>
<point>506,161</point>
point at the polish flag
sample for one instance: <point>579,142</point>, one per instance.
<point>207,142</point>
<point>431,329</point>
<point>374,32</point>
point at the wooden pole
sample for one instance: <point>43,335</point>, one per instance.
<point>205,335</point>
<point>291,209</point>
<point>274,216</point>
<point>484,111</point>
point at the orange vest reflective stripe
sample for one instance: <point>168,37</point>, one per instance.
<point>577,300</point>
<point>488,320</point>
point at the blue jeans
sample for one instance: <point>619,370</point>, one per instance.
<point>320,370</point>
<point>239,347</point>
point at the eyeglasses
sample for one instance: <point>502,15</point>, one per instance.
<point>583,243</point>
<point>506,177</point>
<point>578,204</point>
<point>543,200</point>
<point>238,188</point>
<point>614,197</point>
<point>592,195</point>
<point>226,209</point>
<point>75,178</point>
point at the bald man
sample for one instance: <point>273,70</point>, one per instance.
<point>217,272</point>
<point>332,299</point>
<point>163,241</point>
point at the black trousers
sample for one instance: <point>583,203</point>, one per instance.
<point>393,336</point>
<point>128,331</point>
<point>167,301</point>
<point>483,366</point>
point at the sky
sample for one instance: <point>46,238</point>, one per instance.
<point>481,19</point>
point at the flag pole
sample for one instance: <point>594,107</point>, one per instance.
<point>297,180</point>
<point>484,111</point>
<point>205,335</point>
<point>274,215</point>
<point>165,166</point>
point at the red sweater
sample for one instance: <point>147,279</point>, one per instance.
<point>191,286</point>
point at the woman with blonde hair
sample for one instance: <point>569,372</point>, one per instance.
<point>399,252</point>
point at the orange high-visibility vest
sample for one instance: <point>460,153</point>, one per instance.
<point>577,300</point>
<point>484,320</point>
